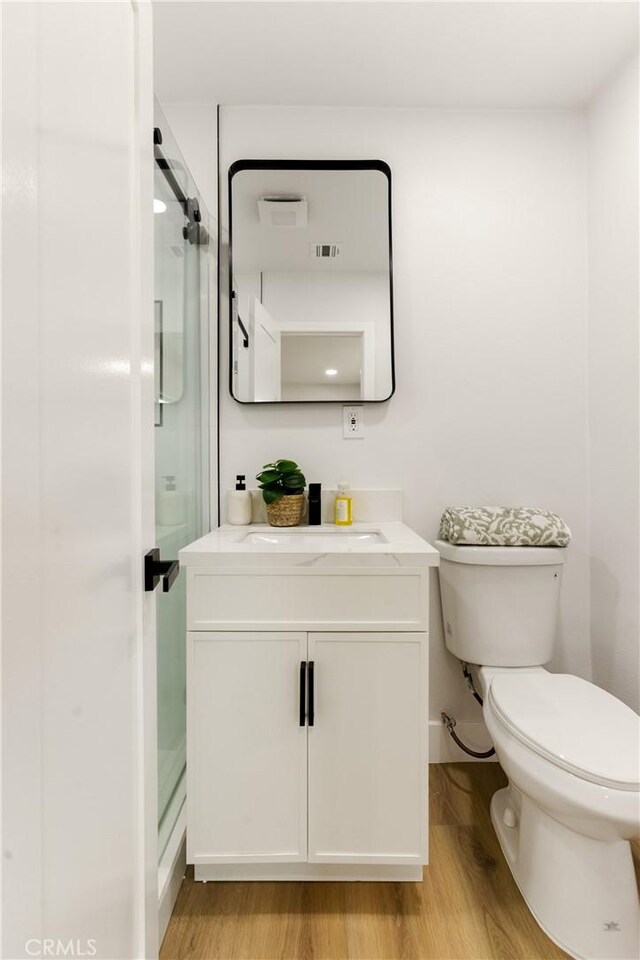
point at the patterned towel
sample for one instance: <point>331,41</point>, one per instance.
<point>504,527</point>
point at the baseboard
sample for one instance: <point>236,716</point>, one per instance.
<point>315,872</point>
<point>442,749</point>
<point>171,872</point>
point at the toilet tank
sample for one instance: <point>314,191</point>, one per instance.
<point>500,604</point>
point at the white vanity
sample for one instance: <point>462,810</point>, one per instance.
<point>307,702</point>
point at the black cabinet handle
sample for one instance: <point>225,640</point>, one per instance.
<point>155,569</point>
<point>303,684</point>
<point>311,714</point>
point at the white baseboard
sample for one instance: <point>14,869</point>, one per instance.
<point>171,872</point>
<point>315,872</point>
<point>442,748</point>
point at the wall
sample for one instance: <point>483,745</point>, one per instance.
<point>490,286</point>
<point>613,384</point>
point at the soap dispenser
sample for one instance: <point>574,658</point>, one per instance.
<point>170,504</point>
<point>239,503</point>
<point>343,509</point>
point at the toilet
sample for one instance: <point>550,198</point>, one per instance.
<point>570,750</point>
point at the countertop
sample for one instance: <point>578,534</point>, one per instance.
<point>226,545</point>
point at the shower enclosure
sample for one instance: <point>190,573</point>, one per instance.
<point>184,265</point>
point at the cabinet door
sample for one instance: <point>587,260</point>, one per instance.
<point>246,750</point>
<point>367,748</point>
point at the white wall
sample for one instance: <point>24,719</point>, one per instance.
<point>613,384</point>
<point>490,285</point>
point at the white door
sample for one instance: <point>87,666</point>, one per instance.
<point>246,748</point>
<point>264,347</point>
<point>367,751</point>
<point>78,685</point>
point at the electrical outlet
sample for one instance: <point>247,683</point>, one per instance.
<point>353,423</point>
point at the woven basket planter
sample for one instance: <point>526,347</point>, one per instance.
<point>287,511</point>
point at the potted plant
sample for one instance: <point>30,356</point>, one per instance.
<point>282,484</point>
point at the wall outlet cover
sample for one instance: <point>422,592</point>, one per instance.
<point>353,423</point>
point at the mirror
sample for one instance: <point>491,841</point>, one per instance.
<point>310,275</point>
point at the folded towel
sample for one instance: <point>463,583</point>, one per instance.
<point>504,527</point>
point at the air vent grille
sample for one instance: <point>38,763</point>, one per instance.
<point>325,251</point>
<point>283,212</point>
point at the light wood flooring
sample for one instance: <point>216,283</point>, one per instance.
<point>466,908</point>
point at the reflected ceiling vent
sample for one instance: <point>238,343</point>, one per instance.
<point>283,211</point>
<point>325,251</point>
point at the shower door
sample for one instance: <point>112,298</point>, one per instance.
<point>182,265</point>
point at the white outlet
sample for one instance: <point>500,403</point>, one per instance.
<point>353,423</point>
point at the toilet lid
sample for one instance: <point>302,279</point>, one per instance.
<point>572,723</point>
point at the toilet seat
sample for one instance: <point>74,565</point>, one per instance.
<point>572,723</point>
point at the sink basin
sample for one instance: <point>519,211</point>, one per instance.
<point>321,539</point>
<point>373,543</point>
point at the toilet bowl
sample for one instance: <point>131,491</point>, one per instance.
<point>565,819</point>
<point>570,750</point>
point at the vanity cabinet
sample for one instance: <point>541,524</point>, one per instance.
<point>307,710</point>
<point>306,747</point>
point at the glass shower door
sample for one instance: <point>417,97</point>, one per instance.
<point>181,452</point>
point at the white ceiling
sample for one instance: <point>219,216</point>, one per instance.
<point>441,54</point>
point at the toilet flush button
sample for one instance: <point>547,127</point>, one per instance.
<point>509,818</point>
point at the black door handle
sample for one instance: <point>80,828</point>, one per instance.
<point>303,684</point>
<point>311,710</point>
<point>155,568</point>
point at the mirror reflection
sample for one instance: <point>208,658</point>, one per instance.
<point>311,303</point>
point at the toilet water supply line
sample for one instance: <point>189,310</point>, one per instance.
<point>450,722</point>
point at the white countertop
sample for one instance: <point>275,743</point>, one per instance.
<point>226,545</point>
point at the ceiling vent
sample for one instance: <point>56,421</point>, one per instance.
<point>283,211</point>
<point>325,251</point>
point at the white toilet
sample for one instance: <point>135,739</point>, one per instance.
<point>571,751</point>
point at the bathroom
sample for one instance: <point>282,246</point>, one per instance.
<point>510,133</point>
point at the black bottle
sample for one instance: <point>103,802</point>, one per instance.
<point>315,504</point>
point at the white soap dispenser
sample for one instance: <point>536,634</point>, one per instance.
<point>239,503</point>
<point>170,504</point>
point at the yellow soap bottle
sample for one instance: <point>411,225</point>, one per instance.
<point>343,510</point>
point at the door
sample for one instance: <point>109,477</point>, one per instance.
<point>182,259</point>
<point>264,347</point>
<point>247,748</point>
<point>367,749</point>
<point>79,863</point>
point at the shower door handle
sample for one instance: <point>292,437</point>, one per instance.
<point>156,569</point>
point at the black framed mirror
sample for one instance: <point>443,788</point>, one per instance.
<point>311,285</point>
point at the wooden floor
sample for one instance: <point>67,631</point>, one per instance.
<point>467,907</point>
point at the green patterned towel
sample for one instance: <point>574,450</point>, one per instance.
<point>504,527</point>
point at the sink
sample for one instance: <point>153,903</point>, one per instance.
<point>321,538</point>
<point>372,543</point>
